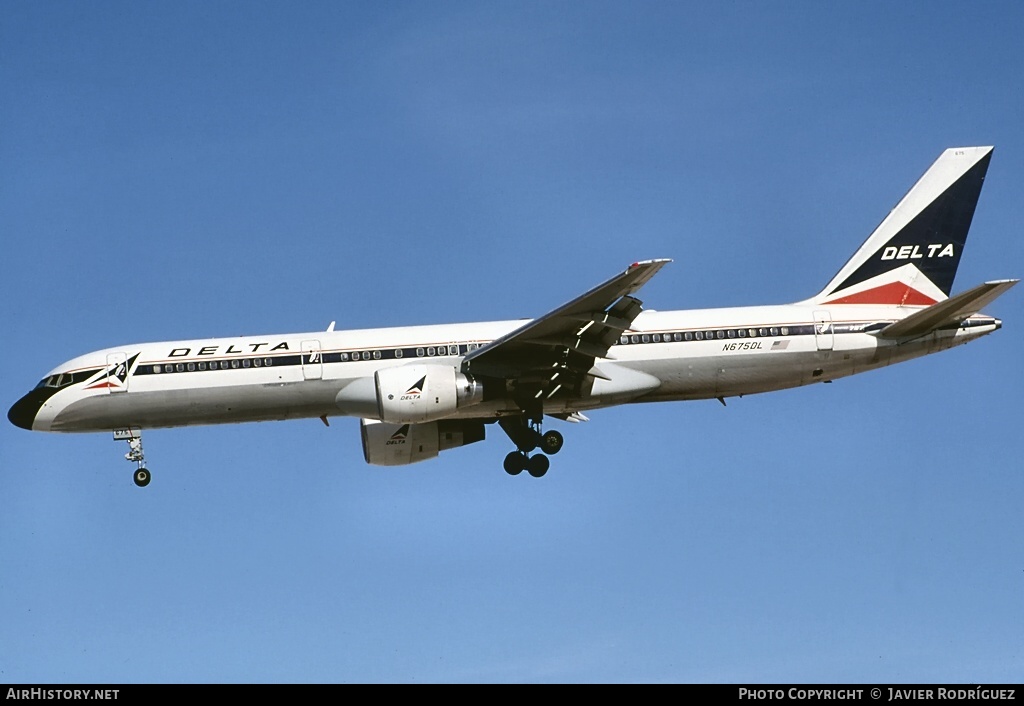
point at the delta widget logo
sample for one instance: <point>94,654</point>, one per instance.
<point>414,392</point>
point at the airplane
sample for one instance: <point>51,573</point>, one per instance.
<point>420,390</point>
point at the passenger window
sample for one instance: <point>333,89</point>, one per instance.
<point>158,368</point>
<point>268,362</point>
<point>774,331</point>
<point>721,334</point>
<point>202,366</point>
<point>785,331</point>
<point>179,367</point>
<point>246,363</point>
<point>699,335</point>
<point>656,338</point>
<point>376,355</point>
<point>742,333</point>
<point>731,333</point>
<point>752,332</point>
<point>419,352</point>
<point>646,338</point>
<point>763,331</point>
<point>623,340</point>
<point>234,363</point>
<point>257,362</point>
<point>687,336</point>
<point>366,355</point>
<point>634,339</point>
<point>398,353</point>
<point>430,350</point>
<point>677,336</point>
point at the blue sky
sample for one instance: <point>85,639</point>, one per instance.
<point>212,169</point>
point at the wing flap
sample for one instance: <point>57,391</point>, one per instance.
<point>948,312</point>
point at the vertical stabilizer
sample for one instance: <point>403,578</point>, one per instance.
<point>912,256</point>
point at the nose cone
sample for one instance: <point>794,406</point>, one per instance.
<point>24,411</point>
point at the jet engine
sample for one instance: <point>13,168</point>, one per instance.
<point>401,444</point>
<point>423,393</point>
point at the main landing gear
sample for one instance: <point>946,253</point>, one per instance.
<point>526,435</point>
<point>142,476</point>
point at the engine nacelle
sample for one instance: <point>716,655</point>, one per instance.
<point>401,444</point>
<point>423,393</point>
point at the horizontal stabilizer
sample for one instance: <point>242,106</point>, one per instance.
<point>948,312</point>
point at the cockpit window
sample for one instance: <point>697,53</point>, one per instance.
<point>63,379</point>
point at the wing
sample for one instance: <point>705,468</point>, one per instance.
<point>556,352</point>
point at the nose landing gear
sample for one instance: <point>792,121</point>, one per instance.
<point>142,476</point>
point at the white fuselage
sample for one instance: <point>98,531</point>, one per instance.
<point>696,354</point>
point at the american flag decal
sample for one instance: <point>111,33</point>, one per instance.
<point>780,345</point>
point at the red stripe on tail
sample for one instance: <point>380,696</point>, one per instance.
<point>892,293</point>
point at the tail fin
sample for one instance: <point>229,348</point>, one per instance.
<point>912,256</point>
